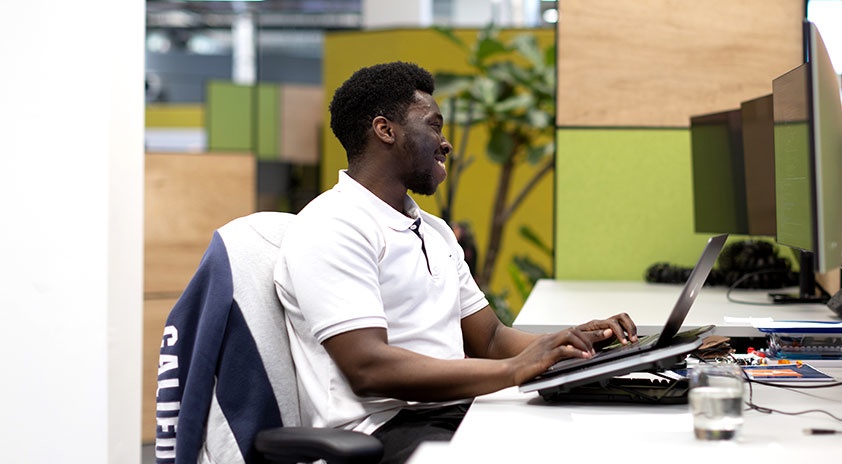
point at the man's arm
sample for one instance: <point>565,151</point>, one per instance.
<point>486,337</point>
<point>375,368</point>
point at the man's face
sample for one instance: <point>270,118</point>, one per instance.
<point>424,146</point>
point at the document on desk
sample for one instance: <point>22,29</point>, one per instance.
<point>772,326</point>
<point>788,373</point>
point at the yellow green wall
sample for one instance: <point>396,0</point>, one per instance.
<point>346,52</point>
<point>624,201</point>
<point>175,115</point>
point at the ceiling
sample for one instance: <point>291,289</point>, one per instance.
<point>268,14</point>
<point>284,26</point>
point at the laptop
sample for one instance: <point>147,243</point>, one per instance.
<point>667,344</point>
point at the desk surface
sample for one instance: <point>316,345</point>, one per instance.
<point>509,426</point>
<point>555,305</point>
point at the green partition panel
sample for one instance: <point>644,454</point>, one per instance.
<point>268,128</point>
<point>623,202</point>
<point>230,116</point>
<point>244,118</point>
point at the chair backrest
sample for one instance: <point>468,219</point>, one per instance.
<point>253,242</point>
<point>225,369</point>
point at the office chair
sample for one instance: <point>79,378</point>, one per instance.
<point>227,389</point>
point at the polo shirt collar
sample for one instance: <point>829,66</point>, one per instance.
<point>393,219</point>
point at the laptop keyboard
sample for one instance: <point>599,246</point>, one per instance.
<point>611,351</point>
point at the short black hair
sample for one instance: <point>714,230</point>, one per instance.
<point>381,90</point>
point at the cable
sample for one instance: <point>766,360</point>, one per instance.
<point>796,387</point>
<point>764,410</point>
<point>746,277</point>
<point>753,406</point>
<point>749,275</point>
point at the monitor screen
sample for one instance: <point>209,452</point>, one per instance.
<point>827,135</point>
<point>793,180</point>
<point>719,181</point>
<point>733,161</point>
<point>759,158</point>
<point>808,156</point>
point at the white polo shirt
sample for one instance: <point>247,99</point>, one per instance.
<point>350,261</point>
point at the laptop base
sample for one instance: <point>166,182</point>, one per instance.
<point>664,390</point>
<point>612,388</point>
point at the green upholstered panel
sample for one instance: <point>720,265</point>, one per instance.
<point>268,115</point>
<point>230,116</point>
<point>624,200</point>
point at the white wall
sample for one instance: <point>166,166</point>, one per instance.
<point>403,13</point>
<point>827,15</point>
<point>71,252</point>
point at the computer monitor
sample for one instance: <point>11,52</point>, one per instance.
<point>733,161</point>
<point>719,177</point>
<point>808,161</point>
<point>759,159</point>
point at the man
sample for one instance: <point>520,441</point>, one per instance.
<point>390,334</point>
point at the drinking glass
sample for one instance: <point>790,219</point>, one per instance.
<point>716,400</point>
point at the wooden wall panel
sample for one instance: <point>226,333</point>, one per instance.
<point>300,122</point>
<point>657,62</point>
<point>188,196</point>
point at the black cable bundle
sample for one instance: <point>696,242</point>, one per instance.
<point>750,263</point>
<point>666,273</point>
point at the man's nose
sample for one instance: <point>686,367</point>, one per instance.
<point>446,147</point>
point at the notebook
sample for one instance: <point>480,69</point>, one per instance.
<point>668,343</point>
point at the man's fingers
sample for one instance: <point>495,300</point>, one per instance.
<point>627,326</point>
<point>577,340</point>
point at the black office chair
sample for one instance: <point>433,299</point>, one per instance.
<point>227,389</point>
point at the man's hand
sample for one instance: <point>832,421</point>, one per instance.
<point>548,349</point>
<point>621,326</point>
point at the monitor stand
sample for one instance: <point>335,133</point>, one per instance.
<point>806,285</point>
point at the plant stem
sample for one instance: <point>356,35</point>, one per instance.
<point>544,170</point>
<point>497,222</point>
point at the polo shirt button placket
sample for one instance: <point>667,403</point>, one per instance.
<point>414,227</point>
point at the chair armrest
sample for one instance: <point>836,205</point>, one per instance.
<point>306,444</point>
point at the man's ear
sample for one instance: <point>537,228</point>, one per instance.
<point>383,129</point>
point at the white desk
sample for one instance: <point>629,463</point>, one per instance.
<point>555,305</point>
<point>509,426</point>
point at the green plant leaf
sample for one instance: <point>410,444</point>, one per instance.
<point>527,46</point>
<point>490,46</point>
<point>517,103</point>
<point>534,154</point>
<point>530,236</point>
<point>521,284</point>
<point>529,269</point>
<point>451,36</point>
<point>486,91</point>
<point>537,118</point>
<point>448,84</point>
<point>500,305</point>
<point>500,145</point>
